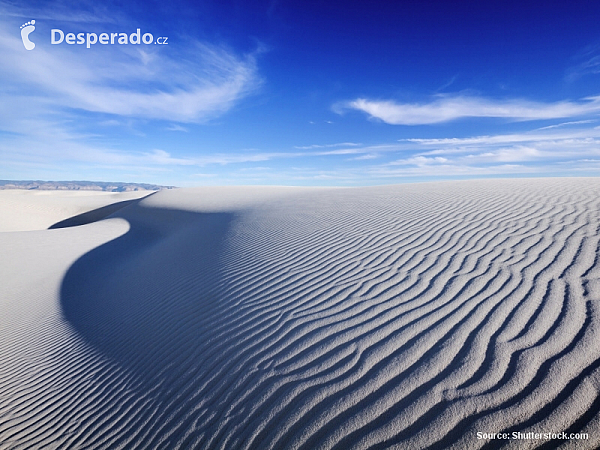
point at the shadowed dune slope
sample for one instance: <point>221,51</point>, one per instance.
<point>408,316</point>
<point>92,216</point>
<point>22,210</point>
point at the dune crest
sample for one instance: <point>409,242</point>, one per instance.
<point>408,316</point>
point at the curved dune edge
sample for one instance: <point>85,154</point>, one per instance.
<point>32,210</point>
<point>409,316</point>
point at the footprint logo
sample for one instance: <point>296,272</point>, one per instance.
<point>26,30</point>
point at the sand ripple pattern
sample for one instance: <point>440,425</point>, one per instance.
<point>408,316</point>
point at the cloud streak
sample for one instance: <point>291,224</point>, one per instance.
<point>446,108</point>
<point>194,84</point>
<point>341,144</point>
<point>589,63</point>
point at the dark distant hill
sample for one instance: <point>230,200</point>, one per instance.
<point>80,186</point>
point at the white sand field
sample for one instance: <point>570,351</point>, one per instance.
<point>410,316</point>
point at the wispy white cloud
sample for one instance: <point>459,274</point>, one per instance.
<point>566,124</point>
<point>366,156</point>
<point>447,83</point>
<point>225,159</point>
<point>194,85</point>
<point>538,152</point>
<point>176,127</point>
<point>419,161</point>
<point>541,147</point>
<point>341,144</point>
<point>580,135</point>
<point>588,63</point>
<point>518,153</point>
<point>162,157</point>
<point>450,170</point>
<point>204,175</point>
<point>86,11</point>
<point>444,108</point>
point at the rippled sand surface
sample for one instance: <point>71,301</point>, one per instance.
<point>409,316</point>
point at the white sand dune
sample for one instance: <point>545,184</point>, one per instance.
<point>410,316</point>
<point>26,210</point>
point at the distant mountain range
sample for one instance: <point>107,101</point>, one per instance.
<point>80,186</point>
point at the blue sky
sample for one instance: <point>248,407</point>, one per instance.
<point>301,93</point>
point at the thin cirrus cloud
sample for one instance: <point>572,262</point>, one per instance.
<point>588,63</point>
<point>568,147</point>
<point>548,147</point>
<point>192,85</point>
<point>446,108</point>
<point>539,136</point>
<point>86,11</point>
<point>341,144</point>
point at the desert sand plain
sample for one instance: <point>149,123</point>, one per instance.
<point>406,316</point>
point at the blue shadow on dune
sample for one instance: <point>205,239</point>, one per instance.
<point>93,216</point>
<point>147,301</point>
